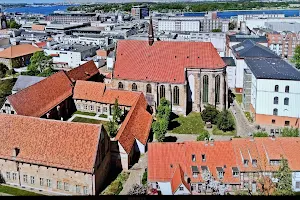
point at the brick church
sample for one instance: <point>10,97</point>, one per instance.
<point>188,74</point>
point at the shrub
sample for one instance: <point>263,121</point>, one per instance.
<point>103,115</point>
<point>290,132</point>
<point>261,134</point>
<point>203,134</point>
<point>144,179</point>
<point>209,114</point>
<point>117,185</point>
<point>225,121</point>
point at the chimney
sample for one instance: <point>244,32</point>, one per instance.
<point>15,152</point>
<point>211,141</point>
<point>151,33</point>
<point>251,138</point>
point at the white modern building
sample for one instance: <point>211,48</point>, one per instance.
<point>241,18</point>
<point>272,92</point>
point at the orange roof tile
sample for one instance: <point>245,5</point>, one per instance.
<point>18,51</point>
<point>37,27</point>
<point>49,142</point>
<point>41,44</point>
<point>88,90</point>
<point>83,72</point>
<point>41,97</point>
<point>178,179</point>
<point>163,61</point>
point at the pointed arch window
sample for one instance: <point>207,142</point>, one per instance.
<point>134,87</point>
<point>275,111</point>
<point>276,88</point>
<point>217,88</point>
<point>286,101</point>
<point>176,95</point>
<point>287,89</point>
<point>205,89</point>
<point>120,86</point>
<point>275,100</point>
<point>148,89</point>
<point>162,91</point>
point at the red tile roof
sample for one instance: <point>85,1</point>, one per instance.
<point>162,155</point>
<point>41,44</point>
<point>52,143</point>
<point>19,50</point>
<point>163,61</point>
<point>83,72</point>
<point>41,97</point>
<point>178,179</point>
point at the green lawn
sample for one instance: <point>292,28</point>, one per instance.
<point>217,131</point>
<point>16,191</point>
<point>248,116</point>
<point>85,113</point>
<point>117,185</point>
<point>238,98</point>
<point>90,121</point>
<point>191,124</point>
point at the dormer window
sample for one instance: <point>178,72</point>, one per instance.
<point>254,163</point>
<point>235,171</point>
<point>203,157</point>
<point>193,157</point>
<point>195,171</point>
<point>246,162</point>
<point>274,162</point>
<point>220,172</point>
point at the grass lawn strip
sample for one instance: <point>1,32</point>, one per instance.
<point>17,192</point>
<point>117,185</point>
<point>238,98</point>
<point>90,121</point>
<point>85,113</point>
<point>191,124</point>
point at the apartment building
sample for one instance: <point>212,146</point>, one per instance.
<point>182,168</point>
<point>284,43</point>
<point>271,92</point>
<point>43,155</point>
<point>241,18</point>
<point>139,12</point>
<point>69,17</point>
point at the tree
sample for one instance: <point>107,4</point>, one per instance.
<point>164,109</point>
<point>3,70</point>
<point>216,30</point>
<point>13,24</point>
<point>117,112</point>
<point>209,114</point>
<point>203,134</point>
<point>232,25</point>
<point>39,63</point>
<point>296,57</point>
<point>112,128</point>
<point>138,190</point>
<point>284,177</point>
<point>261,134</point>
<point>160,128</point>
<point>225,121</point>
<point>266,186</point>
<point>290,132</point>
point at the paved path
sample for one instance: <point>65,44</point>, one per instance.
<point>4,194</point>
<point>136,174</point>
<point>243,125</point>
<point>88,117</point>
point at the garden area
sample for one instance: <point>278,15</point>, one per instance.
<point>84,113</point>
<point>17,192</point>
<point>117,185</point>
<point>191,124</point>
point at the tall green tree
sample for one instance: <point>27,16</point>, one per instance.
<point>39,63</point>
<point>284,177</point>
<point>160,128</point>
<point>225,121</point>
<point>112,128</point>
<point>209,114</point>
<point>203,134</point>
<point>290,132</point>
<point>3,70</point>
<point>296,57</point>
<point>13,24</point>
<point>164,109</point>
<point>117,112</point>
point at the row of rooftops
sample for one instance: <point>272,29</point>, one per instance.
<point>223,159</point>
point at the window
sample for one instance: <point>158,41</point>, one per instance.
<point>134,87</point>
<point>273,121</point>
<point>85,190</point>
<point>217,89</point>
<point>246,163</point>
<point>66,186</point>
<point>8,175</point>
<point>286,123</point>
<point>85,106</point>
<point>195,174</point>
<point>104,109</point>
<point>286,101</point>
<point>41,181</point>
<point>59,186</point>
<point>246,184</point>
<point>181,188</point>
<point>31,179</point>
<point>12,112</point>
<point>275,100</point>
<point>162,91</point>
<point>157,186</point>
<point>176,96</point>
<point>77,189</point>
<point>235,173</point>
<point>120,86</point>
<point>148,89</point>
<point>203,157</point>
<point>254,162</point>
<point>98,109</point>
<point>276,88</point>
<point>193,157</point>
<point>48,183</point>
<point>7,105</point>
<point>298,185</point>
<point>25,178</point>
<point>220,174</point>
<point>205,89</point>
<point>91,107</point>
<point>275,111</point>
<point>287,89</point>
<point>14,176</point>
